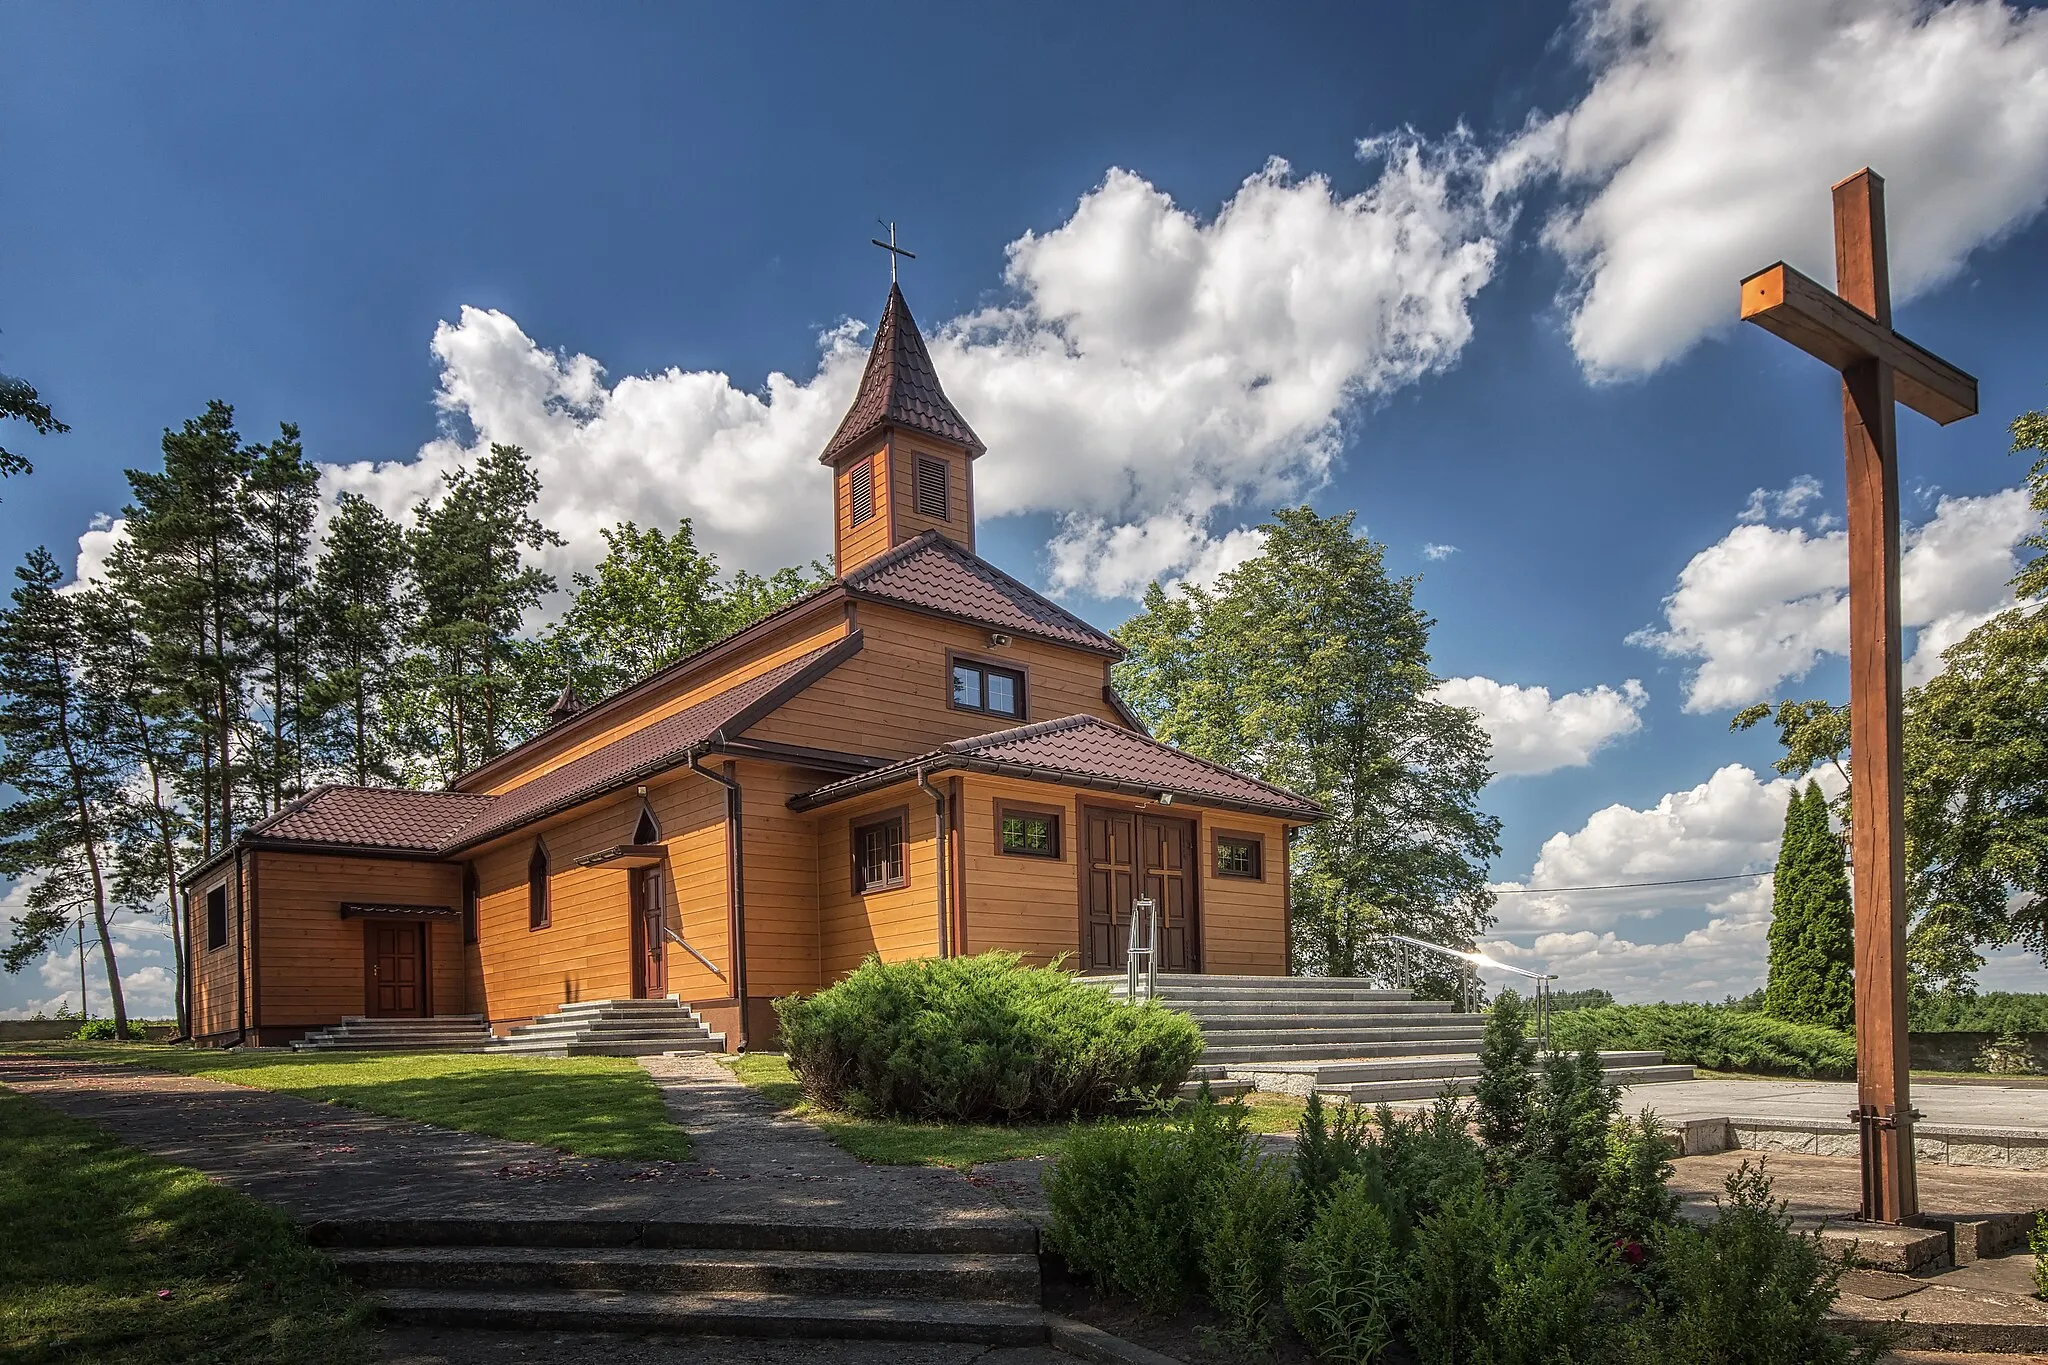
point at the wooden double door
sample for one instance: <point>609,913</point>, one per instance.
<point>1126,855</point>
<point>395,968</point>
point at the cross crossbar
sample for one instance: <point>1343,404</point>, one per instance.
<point>1827,327</point>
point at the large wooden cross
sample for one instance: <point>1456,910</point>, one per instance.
<point>1852,331</point>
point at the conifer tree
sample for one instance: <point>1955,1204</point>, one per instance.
<point>57,759</point>
<point>1812,922</point>
<point>358,613</point>
<point>280,496</point>
<point>19,400</point>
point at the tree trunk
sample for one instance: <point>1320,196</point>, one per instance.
<point>88,831</point>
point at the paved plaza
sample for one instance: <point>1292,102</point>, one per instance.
<point>1980,1106</point>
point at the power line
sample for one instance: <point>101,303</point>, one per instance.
<point>1624,886</point>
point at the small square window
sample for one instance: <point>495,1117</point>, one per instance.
<point>929,478</point>
<point>1239,855</point>
<point>878,855</point>
<point>217,917</point>
<point>979,687</point>
<point>861,492</point>
<point>1027,833</point>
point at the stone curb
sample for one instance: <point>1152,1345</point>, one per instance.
<point>1077,1338</point>
<point>1947,1144</point>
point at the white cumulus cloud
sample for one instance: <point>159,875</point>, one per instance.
<point>1713,128</point>
<point>1534,732</point>
<point>1435,552</point>
<point>1153,375</point>
<point>1764,604</point>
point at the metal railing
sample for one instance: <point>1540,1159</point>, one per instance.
<point>1400,966</point>
<point>1145,911</point>
<point>684,944</point>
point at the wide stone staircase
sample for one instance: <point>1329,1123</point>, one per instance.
<point>978,1285</point>
<point>1343,1039</point>
<point>442,1033</point>
<point>613,1028</point>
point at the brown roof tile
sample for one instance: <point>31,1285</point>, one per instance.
<point>932,573</point>
<point>657,747</point>
<point>900,388</point>
<point>1085,751</point>
<point>373,817</point>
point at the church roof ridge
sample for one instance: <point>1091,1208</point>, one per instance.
<point>900,388</point>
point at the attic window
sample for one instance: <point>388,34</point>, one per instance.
<point>217,917</point>
<point>931,488</point>
<point>861,491</point>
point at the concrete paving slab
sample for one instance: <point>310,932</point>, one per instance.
<point>430,1347</point>
<point>1980,1106</point>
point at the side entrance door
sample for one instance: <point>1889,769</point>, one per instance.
<point>395,967</point>
<point>653,942</point>
<point>1125,855</point>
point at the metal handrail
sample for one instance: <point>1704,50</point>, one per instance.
<point>1146,910</point>
<point>1540,998</point>
<point>685,943</point>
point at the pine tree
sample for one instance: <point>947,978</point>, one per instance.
<point>475,586</point>
<point>1507,1076</point>
<point>359,615</point>
<point>57,759</point>
<point>19,399</point>
<point>189,576</point>
<point>1812,923</point>
<point>280,497</point>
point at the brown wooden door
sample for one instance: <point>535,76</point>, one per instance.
<point>1167,848</point>
<point>1125,855</point>
<point>653,942</point>
<point>1108,886</point>
<point>397,986</point>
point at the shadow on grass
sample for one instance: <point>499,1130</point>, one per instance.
<point>108,1255</point>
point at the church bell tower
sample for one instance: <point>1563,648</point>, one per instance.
<point>903,457</point>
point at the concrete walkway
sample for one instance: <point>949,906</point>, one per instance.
<point>1984,1106</point>
<point>325,1163</point>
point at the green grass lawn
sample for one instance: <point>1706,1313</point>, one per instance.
<point>897,1142</point>
<point>592,1106</point>
<point>113,1257</point>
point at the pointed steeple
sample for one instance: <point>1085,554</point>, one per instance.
<point>900,389</point>
<point>568,705</point>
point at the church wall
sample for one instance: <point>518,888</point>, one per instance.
<point>892,700</point>
<point>1020,904</point>
<point>312,970</point>
<point>958,525</point>
<point>781,864</point>
<point>797,638</point>
<point>1244,923</point>
<point>212,976</point>
<point>900,923</point>
<point>853,545</point>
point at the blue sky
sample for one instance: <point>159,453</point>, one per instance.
<point>1485,304</point>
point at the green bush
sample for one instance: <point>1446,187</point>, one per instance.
<point>1748,1290</point>
<point>1633,1198</point>
<point>1450,1276</point>
<point>1244,1218</point>
<point>1712,1036</point>
<point>2037,1242</point>
<point>1569,1121</point>
<point>102,1031</point>
<point>1344,1283</point>
<point>1507,1068</point>
<point>981,1037</point>
<point>1128,1200</point>
<point>1547,1301</point>
<point>1991,1012</point>
<point>1329,1144</point>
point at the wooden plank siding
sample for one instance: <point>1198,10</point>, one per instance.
<point>1244,922</point>
<point>810,631</point>
<point>893,699</point>
<point>899,924</point>
<point>958,525</point>
<point>1021,904</point>
<point>310,959</point>
<point>853,546</point>
<point>586,951</point>
<point>782,876</point>
<point>213,981</point>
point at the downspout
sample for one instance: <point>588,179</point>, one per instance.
<point>241,956</point>
<point>735,884</point>
<point>944,851</point>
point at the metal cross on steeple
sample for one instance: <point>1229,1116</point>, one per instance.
<point>893,249</point>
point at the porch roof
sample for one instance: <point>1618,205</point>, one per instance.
<point>1082,751</point>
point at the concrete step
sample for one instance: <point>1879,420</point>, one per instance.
<point>580,1007</point>
<point>1347,1021</point>
<point>726,1312</point>
<point>1469,1034</point>
<point>622,1030</point>
<point>1234,1058</point>
<point>593,1048</point>
<point>473,1045</point>
<point>375,1020</point>
<point>580,1232</point>
<point>1252,1009</point>
<point>821,1274</point>
<point>1374,1092</point>
<point>1410,1068</point>
<point>1244,994</point>
<point>1220,1088</point>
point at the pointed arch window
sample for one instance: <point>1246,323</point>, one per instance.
<point>539,910</point>
<point>648,831</point>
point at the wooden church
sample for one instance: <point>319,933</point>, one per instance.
<point>923,758</point>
